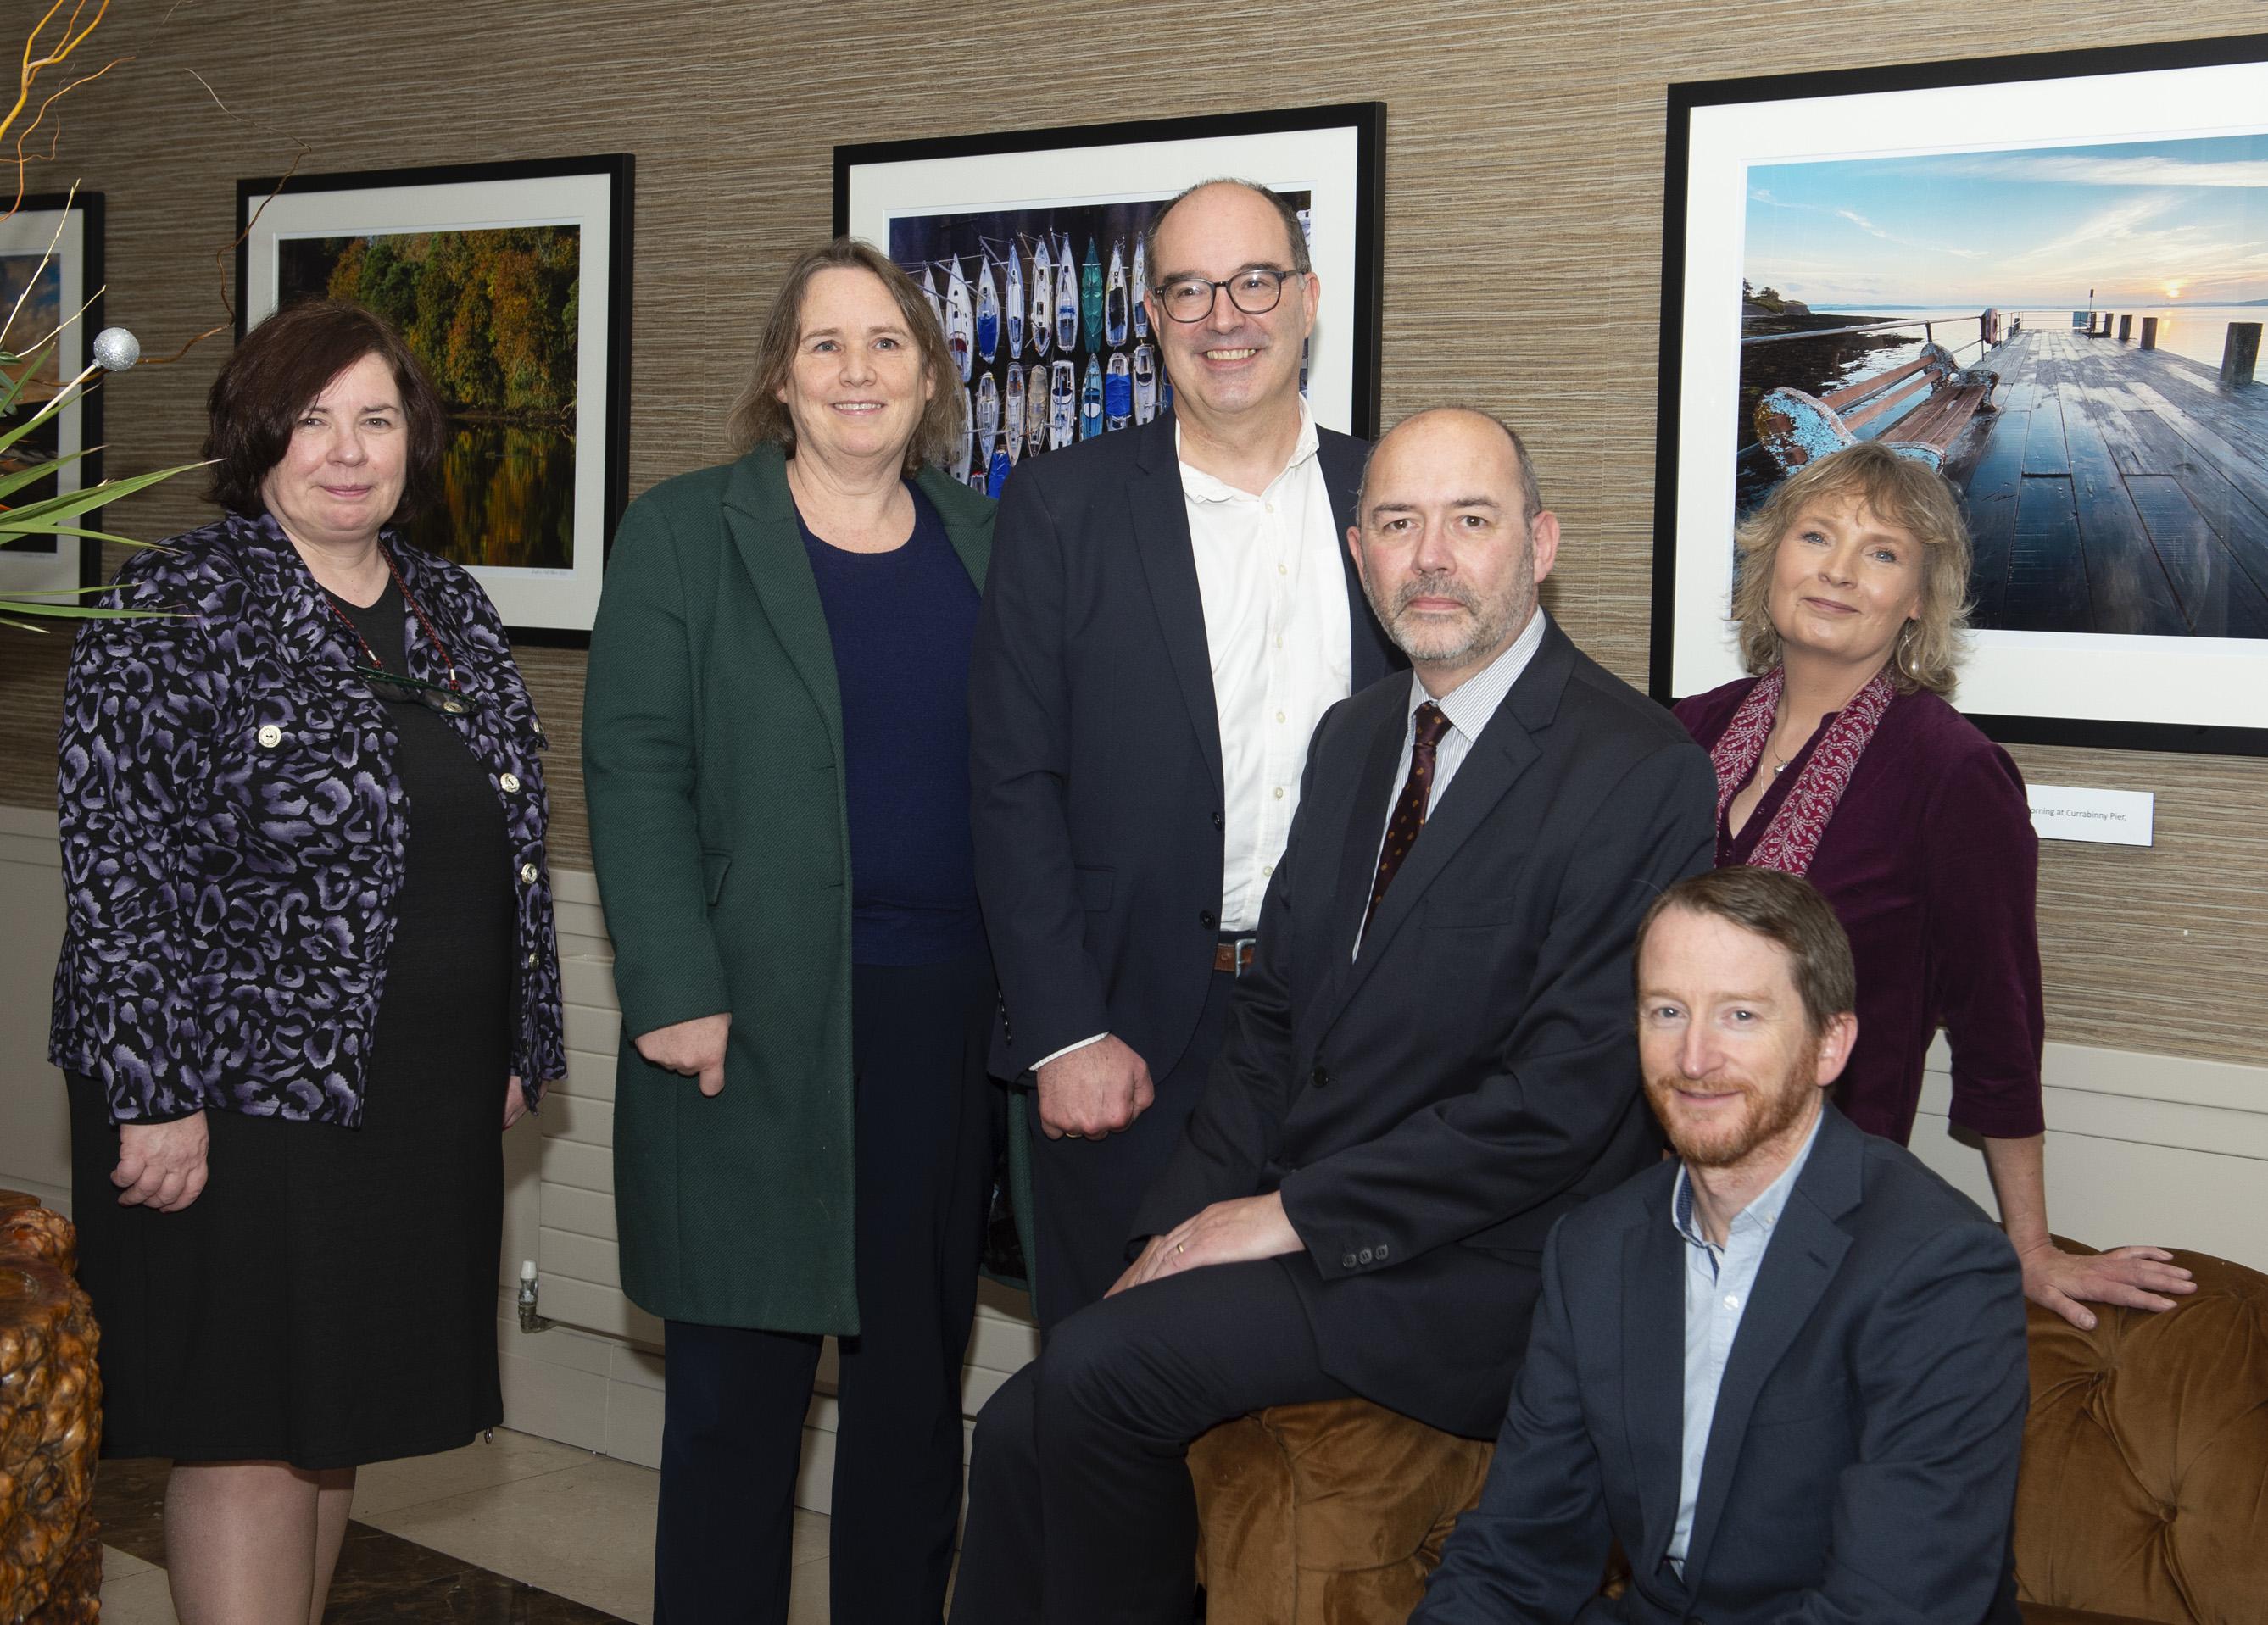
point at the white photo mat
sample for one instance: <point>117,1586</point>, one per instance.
<point>28,234</point>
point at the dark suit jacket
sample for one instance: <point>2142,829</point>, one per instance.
<point>1095,750</point>
<point>1430,1105</point>
<point>1862,1461</point>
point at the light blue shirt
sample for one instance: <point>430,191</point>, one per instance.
<point>1717,1284</point>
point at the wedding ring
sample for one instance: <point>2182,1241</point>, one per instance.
<point>1180,1246</point>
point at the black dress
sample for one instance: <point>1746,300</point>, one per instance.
<point>331,1298</point>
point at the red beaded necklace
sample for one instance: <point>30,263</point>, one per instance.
<point>431,636</point>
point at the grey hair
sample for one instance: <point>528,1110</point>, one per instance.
<point>1528,492</point>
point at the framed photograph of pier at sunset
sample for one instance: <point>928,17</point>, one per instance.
<point>2046,276</point>
<point>511,283</point>
<point>1030,246</point>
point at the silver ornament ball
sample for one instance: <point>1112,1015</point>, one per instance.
<point>116,349</point>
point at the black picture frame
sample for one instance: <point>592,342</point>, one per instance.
<point>27,232</point>
<point>2052,684</point>
<point>550,601</point>
<point>1120,171</point>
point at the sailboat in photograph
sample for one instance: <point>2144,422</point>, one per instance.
<point>1146,383</point>
<point>1043,294</point>
<point>1090,400</point>
<point>1141,286</point>
<point>1036,409</point>
<point>1012,413</point>
<point>987,313</point>
<point>1063,405</point>
<point>1113,298</point>
<point>959,319</point>
<point>1066,297</point>
<point>1090,297</point>
<point>1014,296</point>
<point>1118,393</point>
<point>988,413</point>
<point>929,292</point>
<point>996,472</point>
<point>964,445</point>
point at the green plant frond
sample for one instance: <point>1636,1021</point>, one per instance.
<point>34,593</point>
<point>40,529</point>
<point>69,505</point>
<point>8,396</point>
<point>64,398</point>
<point>23,626</point>
<point>22,477</point>
<point>82,612</point>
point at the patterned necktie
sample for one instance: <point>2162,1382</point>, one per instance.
<point>1410,809</point>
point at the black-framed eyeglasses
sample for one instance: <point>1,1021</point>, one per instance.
<point>1255,291</point>
<point>396,690</point>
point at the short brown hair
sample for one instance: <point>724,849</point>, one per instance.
<point>759,416</point>
<point>1901,491</point>
<point>1300,261</point>
<point>1785,909</point>
<point>275,374</point>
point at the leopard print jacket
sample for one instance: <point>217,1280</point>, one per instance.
<point>233,832</point>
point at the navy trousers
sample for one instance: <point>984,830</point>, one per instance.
<point>1080,1508</point>
<point>734,1408</point>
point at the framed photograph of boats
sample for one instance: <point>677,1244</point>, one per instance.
<point>51,302</point>
<point>1030,245</point>
<point>2044,276</point>
<point>513,284</point>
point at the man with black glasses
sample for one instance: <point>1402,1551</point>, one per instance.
<point>1168,613</point>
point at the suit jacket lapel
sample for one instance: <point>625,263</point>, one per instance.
<point>1161,540</point>
<point>1341,457</point>
<point>760,516</point>
<point>1504,751</point>
<point>1653,1372</point>
<point>1365,824</point>
<point>1807,1247</point>
<point>972,542</point>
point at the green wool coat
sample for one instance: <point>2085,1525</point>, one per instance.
<point>712,750</point>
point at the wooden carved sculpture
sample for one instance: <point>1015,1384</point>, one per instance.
<point>50,1423</point>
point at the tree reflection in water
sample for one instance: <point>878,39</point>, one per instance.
<point>511,498</point>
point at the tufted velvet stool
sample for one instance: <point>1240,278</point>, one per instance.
<point>2144,1495</point>
<point>50,1423</point>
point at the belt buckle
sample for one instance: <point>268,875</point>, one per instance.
<point>1245,946</point>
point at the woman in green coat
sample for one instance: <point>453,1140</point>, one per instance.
<point>775,742</point>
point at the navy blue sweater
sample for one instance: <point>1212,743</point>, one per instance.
<point>902,623</point>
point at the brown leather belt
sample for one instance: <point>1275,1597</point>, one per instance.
<point>1235,958</point>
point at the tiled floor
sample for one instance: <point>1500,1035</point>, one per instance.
<point>518,1528</point>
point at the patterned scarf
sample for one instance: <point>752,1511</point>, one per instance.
<point>1793,837</point>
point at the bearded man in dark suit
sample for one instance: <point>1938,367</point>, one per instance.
<point>1430,1060</point>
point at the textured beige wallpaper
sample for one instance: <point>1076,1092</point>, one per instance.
<point>1524,152</point>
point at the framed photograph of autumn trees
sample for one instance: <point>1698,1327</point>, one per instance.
<point>513,284</point>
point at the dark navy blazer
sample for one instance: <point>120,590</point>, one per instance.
<point>1862,1463</point>
<point>1430,1105</point>
<point>1095,745</point>
<point>232,832</point>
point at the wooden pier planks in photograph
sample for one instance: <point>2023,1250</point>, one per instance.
<point>2119,490</point>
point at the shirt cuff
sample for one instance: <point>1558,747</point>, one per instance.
<point>1067,1048</point>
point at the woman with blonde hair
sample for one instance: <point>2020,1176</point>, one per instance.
<point>775,742</point>
<point>1839,759</point>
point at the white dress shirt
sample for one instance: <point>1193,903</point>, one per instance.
<point>1281,648</point>
<point>1278,641</point>
<point>1718,1283</point>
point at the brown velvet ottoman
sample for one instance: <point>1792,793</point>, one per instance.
<point>50,1423</point>
<point>2143,1498</point>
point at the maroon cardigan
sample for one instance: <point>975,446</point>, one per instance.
<point>1932,867</point>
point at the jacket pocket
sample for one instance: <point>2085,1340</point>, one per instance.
<point>1096,887</point>
<point>713,867</point>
